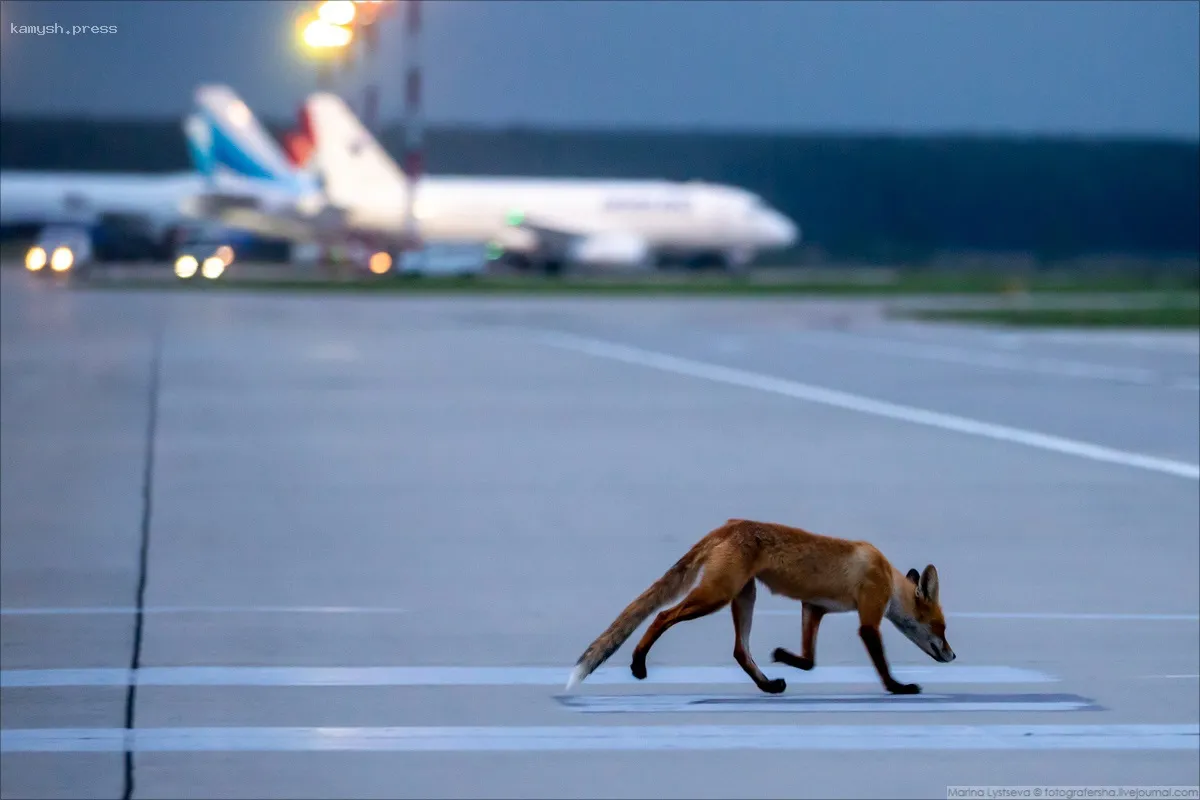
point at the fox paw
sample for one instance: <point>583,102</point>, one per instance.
<point>905,688</point>
<point>638,668</point>
<point>775,686</point>
<point>781,656</point>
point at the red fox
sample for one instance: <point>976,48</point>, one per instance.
<point>825,574</point>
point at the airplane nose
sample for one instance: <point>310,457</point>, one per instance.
<point>780,230</point>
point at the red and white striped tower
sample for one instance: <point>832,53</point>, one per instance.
<point>370,40</point>
<point>414,162</point>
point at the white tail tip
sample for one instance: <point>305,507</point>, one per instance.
<point>576,677</point>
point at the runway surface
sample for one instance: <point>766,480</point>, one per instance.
<point>354,545</point>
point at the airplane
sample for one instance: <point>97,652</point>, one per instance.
<point>242,184</point>
<point>547,222</point>
<point>336,183</point>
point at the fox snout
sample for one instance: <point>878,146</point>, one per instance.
<point>936,648</point>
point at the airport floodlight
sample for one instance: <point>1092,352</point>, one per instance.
<point>321,35</point>
<point>337,12</point>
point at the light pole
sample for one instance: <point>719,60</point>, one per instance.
<point>331,33</point>
<point>414,162</point>
<point>328,34</point>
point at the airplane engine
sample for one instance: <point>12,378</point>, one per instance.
<point>617,250</point>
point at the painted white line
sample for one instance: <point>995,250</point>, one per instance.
<point>87,610</point>
<point>127,610</point>
<point>1028,615</point>
<point>1164,344</point>
<point>822,703</point>
<point>486,676</point>
<point>1080,616</point>
<point>604,737</point>
<point>947,354</point>
<point>866,405</point>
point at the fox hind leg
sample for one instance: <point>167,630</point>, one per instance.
<point>705,599</point>
<point>808,658</point>
<point>743,617</point>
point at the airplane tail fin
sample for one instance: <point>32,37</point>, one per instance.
<point>200,144</point>
<point>223,134</point>
<point>347,155</point>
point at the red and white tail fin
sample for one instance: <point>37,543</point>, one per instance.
<point>352,163</point>
<point>298,143</point>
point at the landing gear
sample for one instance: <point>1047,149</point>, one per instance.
<point>704,262</point>
<point>732,263</point>
<point>525,264</point>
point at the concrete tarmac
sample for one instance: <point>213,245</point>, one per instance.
<point>355,544</point>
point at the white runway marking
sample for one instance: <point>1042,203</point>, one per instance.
<point>1187,343</point>
<point>604,737</point>
<point>1031,615</point>
<point>488,676</point>
<point>824,703</point>
<point>126,610</point>
<point>1077,616</point>
<point>1168,343</point>
<point>866,405</point>
<point>947,354</point>
<point>86,610</point>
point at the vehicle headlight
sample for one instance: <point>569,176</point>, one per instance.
<point>213,267</point>
<point>380,263</point>
<point>225,253</point>
<point>35,259</point>
<point>186,266</point>
<point>62,259</point>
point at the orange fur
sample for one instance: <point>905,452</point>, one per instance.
<point>827,575</point>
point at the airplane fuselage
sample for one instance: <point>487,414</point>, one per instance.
<point>667,216</point>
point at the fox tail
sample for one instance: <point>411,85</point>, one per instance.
<point>678,579</point>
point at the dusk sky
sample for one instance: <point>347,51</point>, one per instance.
<point>817,65</point>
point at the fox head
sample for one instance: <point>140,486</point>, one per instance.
<point>920,615</point>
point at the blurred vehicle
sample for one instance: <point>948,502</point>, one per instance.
<point>457,259</point>
<point>59,249</point>
<point>203,253</point>
<point>78,248</point>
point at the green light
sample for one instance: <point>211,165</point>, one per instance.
<point>516,217</point>
<point>494,251</point>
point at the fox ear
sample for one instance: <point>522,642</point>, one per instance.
<point>928,584</point>
<point>914,576</point>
